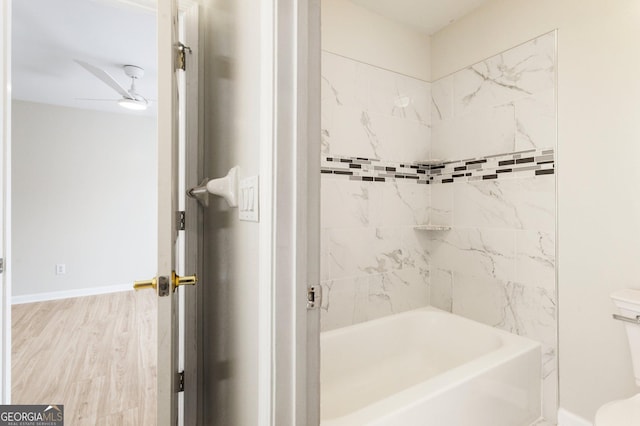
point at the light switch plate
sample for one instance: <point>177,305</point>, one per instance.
<point>249,196</point>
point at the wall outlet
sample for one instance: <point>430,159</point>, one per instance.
<point>61,269</point>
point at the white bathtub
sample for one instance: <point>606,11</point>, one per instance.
<point>428,367</point>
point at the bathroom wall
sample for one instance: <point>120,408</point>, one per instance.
<point>496,122</point>
<point>375,125</point>
<point>355,32</point>
<point>598,126</point>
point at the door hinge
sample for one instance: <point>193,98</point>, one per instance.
<point>181,381</point>
<point>181,62</point>
<point>181,219</point>
<point>1,265</point>
<point>314,297</point>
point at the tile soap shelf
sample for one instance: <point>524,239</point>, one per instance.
<point>432,227</point>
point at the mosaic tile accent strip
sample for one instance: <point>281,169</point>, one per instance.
<point>532,162</point>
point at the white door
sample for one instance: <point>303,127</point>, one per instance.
<point>178,168</point>
<point>166,282</point>
<point>167,209</point>
<point>167,212</point>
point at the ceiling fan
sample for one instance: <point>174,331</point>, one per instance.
<point>131,99</point>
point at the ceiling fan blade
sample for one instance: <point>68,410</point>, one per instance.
<point>106,78</point>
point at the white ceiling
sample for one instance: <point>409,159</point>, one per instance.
<point>426,16</point>
<point>47,35</point>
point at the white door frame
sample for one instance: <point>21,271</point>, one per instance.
<point>296,209</point>
<point>5,209</point>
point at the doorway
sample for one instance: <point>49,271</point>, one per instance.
<point>84,210</point>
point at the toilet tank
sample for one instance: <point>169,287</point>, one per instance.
<point>628,303</point>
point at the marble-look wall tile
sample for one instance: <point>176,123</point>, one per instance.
<point>441,289</point>
<point>415,141</point>
<point>486,204</point>
<point>369,251</point>
<point>535,121</point>
<point>394,94</point>
<point>341,84</point>
<point>327,127</point>
<point>481,253</point>
<point>357,299</point>
<point>504,78</point>
<point>531,312</point>
<point>395,292</point>
<point>415,254</point>
<point>357,132</point>
<point>441,206</point>
<point>503,104</point>
<point>535,201</point>
<point>442,100</point>
<point>527,203</point>
<point>485,132</point>
<point>532,64</point>
<point>536,259</point>
<point>418,94</point>
<point>324,254</point>
<point>364,251</point>
<point>374,113</point>
<point>345,203</point>
<point>373,263</point>
<point>479,299</point>
<point>397,138</point>
<point>444,145</point>
<point>400,204</point>
<point>550,393</point>
<point>340,89</point>
<point>338,302</point>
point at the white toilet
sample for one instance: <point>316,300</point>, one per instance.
<point>625,412</point>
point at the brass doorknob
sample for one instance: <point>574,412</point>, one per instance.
<point>176,282</point>
<point>188,280</point>
<point>142,285</point>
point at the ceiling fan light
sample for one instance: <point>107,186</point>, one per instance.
<point>133,104</point>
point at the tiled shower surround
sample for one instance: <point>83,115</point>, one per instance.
<point>474,152</point>
<point>373,263</point>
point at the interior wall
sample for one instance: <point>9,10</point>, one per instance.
<point>84,196</point>
<point>598,91</point>
<point>355,32</point>
<point>231,119</point>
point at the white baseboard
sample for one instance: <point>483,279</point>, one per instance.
<point>567,418</point>
<point>67,294</point>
